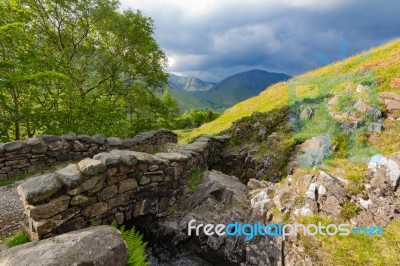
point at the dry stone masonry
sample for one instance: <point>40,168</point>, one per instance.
<point>119,184</point>
<point>34,154</point>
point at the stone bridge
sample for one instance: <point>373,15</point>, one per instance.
<point>120,184</point>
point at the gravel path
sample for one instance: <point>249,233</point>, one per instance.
<point>10,210</point>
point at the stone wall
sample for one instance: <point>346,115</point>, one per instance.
<point>118,185</point>
<point>34,154</point>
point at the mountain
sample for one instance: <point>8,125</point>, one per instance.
<point>194,92</point>
<point>187,100</point>
<point>241,86</point>
<point>191,84</point>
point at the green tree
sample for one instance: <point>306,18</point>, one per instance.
<point>170,110</point>
<point>72,65</point>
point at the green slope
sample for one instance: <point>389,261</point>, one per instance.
<point>383,61</point>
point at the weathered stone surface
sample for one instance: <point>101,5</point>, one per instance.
<point>254,184</point>
<point>384,172</point>
<point>129,142</point>
<point>107,193</point>
<point>70,176</point>
<point>172,156</point>
<point>98,246</point>
<point>391,100</point>
<point>375,127</point>
<point>12,146</point>
<point>85,138</point>
<point>95,209</point>
<point>91,167</point>
<point>69,136</point>
<point>38,188</point>
<point>58,145</point>
<point>197,146</point>
<point>153,167</point>
<point>85,186</point>
<point>82,200</point>
<point>40,147</point>
<point>315,150</point>
<point>49,209</point>
<point>128,157</point>
<point>126,185</point>
<point>108,159</point>
<point>99,139</point>
<point>33,141</point>
<point>50,138</point>
<point>114,141</point>
<point>145,157</point>
<point>144,180</point>
<point>45,226</point>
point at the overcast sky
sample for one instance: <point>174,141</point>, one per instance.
<point>212,39</point>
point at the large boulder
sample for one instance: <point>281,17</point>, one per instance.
<point>100,245</point>
<point>384,172</point>
<point>392,102</point>
<point>314,151</point>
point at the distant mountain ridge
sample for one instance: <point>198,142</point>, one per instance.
<point>190,83</point>
<point>199,94</point>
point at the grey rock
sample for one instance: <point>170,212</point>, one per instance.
<point>1,148</point>
<point>99,245</point>
<point>95,209</point>
<point>70,176</point>
<point>50,138</point>
<point>375,127</point>
<point>33,141</point>
<point>128,157</point>
<point>69,136</point>
<point>91,167</point>
<point>99,139</point>
<point>47,210</point>
<point>384,172</point>
<point>112,141</point>
<point>108,159</point>
<point>172,156</point>
<point>13,146</point>
<point>38,188</point>
<point>315,150</point>
<point>85,138</point>
<point>129,143</point>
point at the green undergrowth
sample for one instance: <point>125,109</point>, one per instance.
<point>18,239</point>
<point>194,179</point>
<point>9,181</point>
<point>358,250</point>
<point>136,245</point>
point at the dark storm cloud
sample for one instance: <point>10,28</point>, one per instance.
<point>212,39</point>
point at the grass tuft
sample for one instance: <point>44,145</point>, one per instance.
<point>18,239</point>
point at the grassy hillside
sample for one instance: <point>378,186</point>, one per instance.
<point>186,100</point>
<point>374,69</point>
<point>383,62</point>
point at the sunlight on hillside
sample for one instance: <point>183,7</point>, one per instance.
<point>383,61</point>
